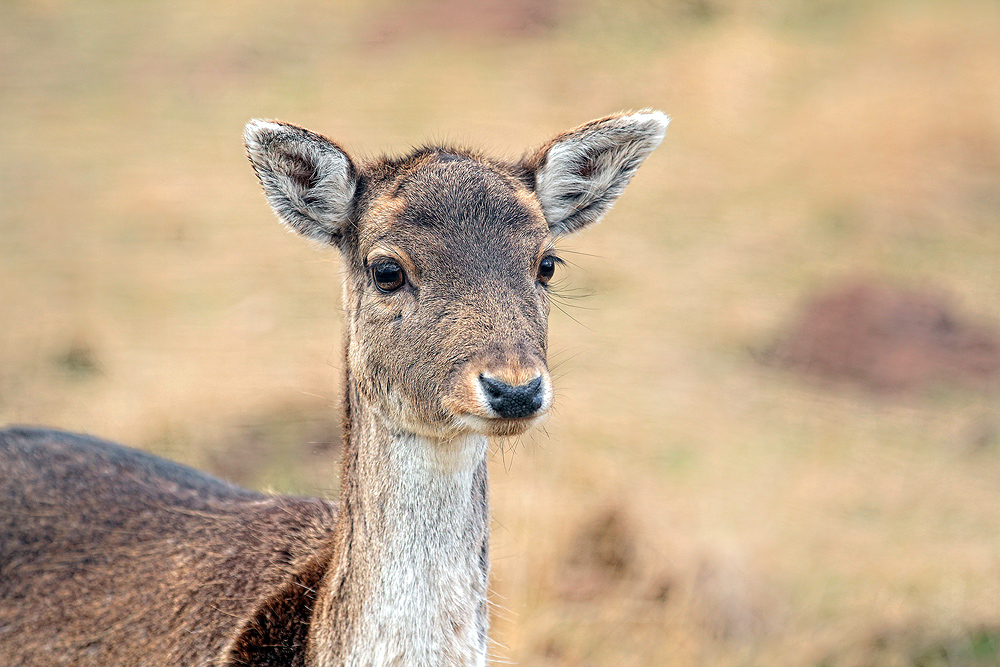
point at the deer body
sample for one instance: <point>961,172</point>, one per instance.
<point>110,556</point>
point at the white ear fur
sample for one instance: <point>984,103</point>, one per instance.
<point>580,173</point>
<point>309,181</point>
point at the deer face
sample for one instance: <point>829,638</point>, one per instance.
<point>447,298</point>
<point>449,257</point>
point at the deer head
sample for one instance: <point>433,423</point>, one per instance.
<point>448,257</point>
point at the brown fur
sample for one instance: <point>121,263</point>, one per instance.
<point>109,556</point>
<point>106,550</point>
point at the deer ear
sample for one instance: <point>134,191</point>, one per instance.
<point>580,173</point>
<point>309,181</point>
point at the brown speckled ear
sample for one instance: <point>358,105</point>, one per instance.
<point>579,174</point>
<point>309,181</point>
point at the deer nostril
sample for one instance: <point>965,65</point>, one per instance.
<point>511,402</point>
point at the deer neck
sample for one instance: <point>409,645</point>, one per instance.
<point>407,585</point>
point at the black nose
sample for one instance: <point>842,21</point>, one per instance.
<point>513,402</point>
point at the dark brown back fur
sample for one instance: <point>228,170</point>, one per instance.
<point>186,563</point>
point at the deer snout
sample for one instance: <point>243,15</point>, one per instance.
<point>499,399</point>
<point>513,402</point>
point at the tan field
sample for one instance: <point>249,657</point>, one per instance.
<point>685,503</point>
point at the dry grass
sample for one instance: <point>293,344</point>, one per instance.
<point>686,505</point>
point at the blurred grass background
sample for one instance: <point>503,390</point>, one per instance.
<point>685,504</point>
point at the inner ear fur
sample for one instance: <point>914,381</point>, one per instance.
<point>308,180</point>
<point>579,174</point>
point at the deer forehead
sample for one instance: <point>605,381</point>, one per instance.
<point>451,209</point>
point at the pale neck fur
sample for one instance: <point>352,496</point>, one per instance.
<point>408,583</point>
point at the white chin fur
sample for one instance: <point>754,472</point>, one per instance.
<point>496,427</point>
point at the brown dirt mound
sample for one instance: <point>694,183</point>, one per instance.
<point>602,554</point>
<point>889,339</point>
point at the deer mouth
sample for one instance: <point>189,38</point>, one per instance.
<point>498,427</point>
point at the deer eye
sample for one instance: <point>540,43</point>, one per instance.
<point>547,268</point>
<point>388,276</point>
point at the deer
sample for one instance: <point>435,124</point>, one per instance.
<point>111,556</point>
